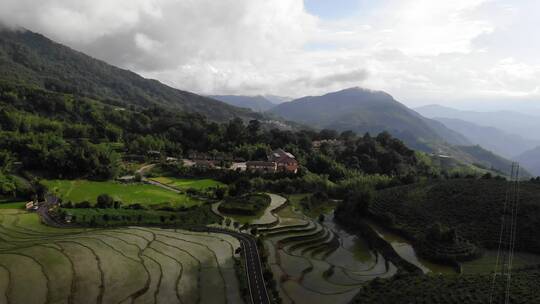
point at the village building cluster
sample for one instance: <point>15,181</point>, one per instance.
<point>278,161</point>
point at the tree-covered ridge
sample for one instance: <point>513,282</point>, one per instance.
<point>30,58</point>
<point>467,209</point>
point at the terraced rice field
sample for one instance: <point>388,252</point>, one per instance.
<point>317,262</point>
<point>40,264</point>
<point>84,190</point>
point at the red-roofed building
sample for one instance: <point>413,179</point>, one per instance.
<point>285,161</point>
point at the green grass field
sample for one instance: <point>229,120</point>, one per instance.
<point>13,205</point>
<point>184,183</point>
<point>40,264</point>
<point>84,190</point>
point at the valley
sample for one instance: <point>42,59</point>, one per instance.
<point>119,189</point>
<point>311,258</point>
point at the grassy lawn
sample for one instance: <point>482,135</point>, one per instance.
<point>13,205</point>
<point>185,183</point>
<point>84,190</point>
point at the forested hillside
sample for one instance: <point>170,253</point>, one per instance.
<point>32,59</point>
<point>448,219</point>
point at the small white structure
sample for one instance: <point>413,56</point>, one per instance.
<point>126,178</point>
<point>31,206</point>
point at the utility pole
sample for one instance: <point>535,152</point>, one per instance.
<point>502,275</point>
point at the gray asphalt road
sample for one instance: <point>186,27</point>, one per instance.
<point>254,269</point>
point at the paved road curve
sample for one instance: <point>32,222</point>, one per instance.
<point>254,269</point>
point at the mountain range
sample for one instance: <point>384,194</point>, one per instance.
<point>496,140</point>
<point>508,121</point>
<point>31,59</point>
<point>508,133</point>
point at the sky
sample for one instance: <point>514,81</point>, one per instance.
<point>461,53</point>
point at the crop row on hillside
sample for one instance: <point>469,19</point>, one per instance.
<point>450,289</point>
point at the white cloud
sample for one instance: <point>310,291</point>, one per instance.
<point>418,50</point>
<point>77,21</point>
<point>146,44</point>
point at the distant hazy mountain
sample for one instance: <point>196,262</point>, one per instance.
<point>277,99</point>
<point>255,103</point>
<point>498,141</point>
<point>531,160</point>
<point>527,126</point>
<point>32,59</point>
<point>363,111</point>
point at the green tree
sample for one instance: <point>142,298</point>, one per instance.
<point>104,201</point>
<point>6,161</point>
<point>219,193</point>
